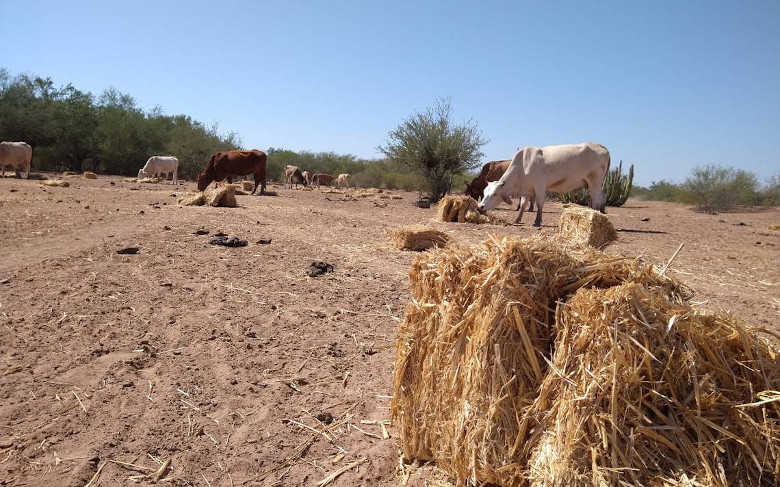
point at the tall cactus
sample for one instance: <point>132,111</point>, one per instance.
<point>616,186</point>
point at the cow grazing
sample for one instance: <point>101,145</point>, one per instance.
<point>160,165</point>
<point>559,168</point>
<point>306,176</point>
<point>293,174</point>
<point>492,171</point>
<point>343,180</point>
<point>225,165</point>
<point>16,155</point>
<point>321,178</point>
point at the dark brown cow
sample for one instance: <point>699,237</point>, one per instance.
<point>321,178</point>
<point>492,171</point>
<point>227,164</point>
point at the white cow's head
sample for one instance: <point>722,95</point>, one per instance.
<point>141,174</point>
<point>493,195</point>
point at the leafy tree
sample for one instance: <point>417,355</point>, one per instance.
<point>431,144</point>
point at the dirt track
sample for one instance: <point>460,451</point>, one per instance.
<point>203,354</point>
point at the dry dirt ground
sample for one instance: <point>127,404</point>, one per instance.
<point>215,358</point>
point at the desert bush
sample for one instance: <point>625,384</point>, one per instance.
<point>714,188</point>
<point>616,186</point>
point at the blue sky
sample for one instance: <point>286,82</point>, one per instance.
<point>664,85</point>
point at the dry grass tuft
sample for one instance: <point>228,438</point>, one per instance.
<point>418,238</point>
<point>55,182</point>
<point>526,362</point>
<point>584,226</point>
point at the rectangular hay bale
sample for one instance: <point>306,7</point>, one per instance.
<point>418,238</point>
<point>584,226</point>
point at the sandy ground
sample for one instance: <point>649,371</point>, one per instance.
<point>218,359</point>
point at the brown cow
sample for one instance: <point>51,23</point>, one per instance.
<point>293,174</point>
<point>322,178</point>
<point>234,163</point>
<point>492,171</point>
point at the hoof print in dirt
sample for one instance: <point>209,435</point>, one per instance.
<point>335,351</point>
<point>128,251</point>
<point>318,268</point>
<point>264,241</point>
<point>324,417</point>
<point>228,241</point>
<point>200,231</point>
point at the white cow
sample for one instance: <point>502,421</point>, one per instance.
<point>160,165</point>
<point>16,154</point>
<point>343,179</point>
<point>559,168</point>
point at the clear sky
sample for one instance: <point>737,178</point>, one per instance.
<point>665,85</point>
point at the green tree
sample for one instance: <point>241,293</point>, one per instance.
<point>431,144</point>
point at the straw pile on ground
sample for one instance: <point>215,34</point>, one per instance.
<point>221,195</point>
<point>418,238</point>
<point>584,226</point>
<point>462,209</point>
<point>90,175</point>
<point>55,182</point>
<point>149,180</point>
<point>523,363</point>
<point>774,227</point>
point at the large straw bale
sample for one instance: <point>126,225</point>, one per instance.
<point>500,374</point>
<point>581,225</point>
<point>647,391</point>
<point>220,195</point>
<point>418,238</point>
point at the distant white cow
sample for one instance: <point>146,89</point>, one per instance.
<point>343,179</point>
<point>160,165</point>
<point>558,168</point>
<point>16,154</point>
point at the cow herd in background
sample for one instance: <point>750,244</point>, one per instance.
<point>527,176</point>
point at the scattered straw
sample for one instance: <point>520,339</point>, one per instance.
<point>584,226</point>
<point>330,478</point>
<point>418,238</point>
<point>55,182</point>
<point>130,180</point>
<point>149,180</point>
<point>774,227</point>
<point>526,361</point>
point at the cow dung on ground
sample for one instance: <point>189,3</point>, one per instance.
<point>318,268</point>
<point>533,362</point>
<point>228,241</point>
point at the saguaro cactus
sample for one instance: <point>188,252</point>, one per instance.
<point>616,186</point>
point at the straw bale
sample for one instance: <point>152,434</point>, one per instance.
<point>505,372</point>
<point>648,392</point>
<point>247,185</point>
<point>221,196</point>
<point>198,199</point>
<point>89,175</point>
<point>55,182</point>
<point>418,238</point>
<point>463,209</point>
<point>584,226</point>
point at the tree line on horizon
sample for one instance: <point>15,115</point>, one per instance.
<point>74,130</point>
